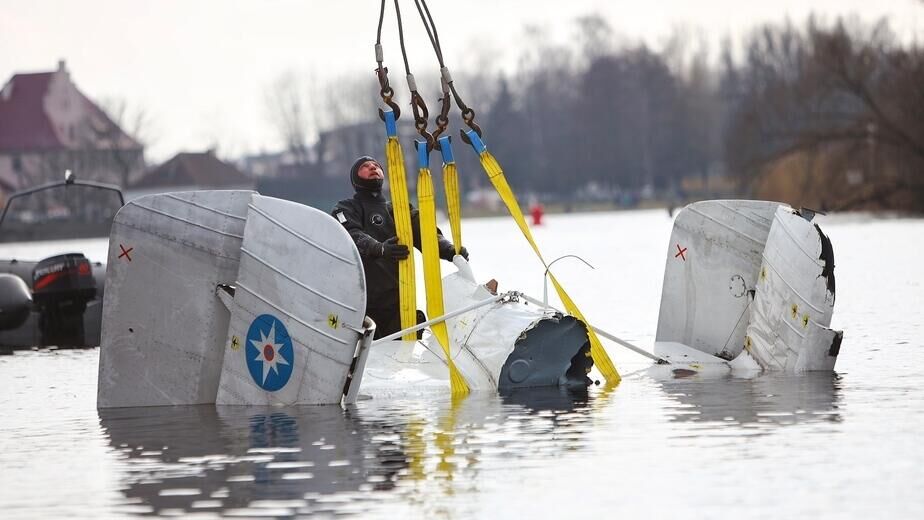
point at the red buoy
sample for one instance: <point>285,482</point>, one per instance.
<point>537,210</point>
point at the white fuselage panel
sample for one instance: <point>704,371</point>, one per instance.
<point>163,328</point>
<point>300,299</point>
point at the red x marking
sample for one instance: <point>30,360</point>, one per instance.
<point>125,252</point>
<point>680,253</point>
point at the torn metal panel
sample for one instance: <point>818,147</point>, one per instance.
<point>789,319</point>
<point>751,282</point>
<point>555,352</point>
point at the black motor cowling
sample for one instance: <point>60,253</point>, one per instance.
<point>61,288</point>
<point>15,301</point>
<point>63,280</point>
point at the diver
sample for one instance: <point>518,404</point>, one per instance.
<point>370,220</point>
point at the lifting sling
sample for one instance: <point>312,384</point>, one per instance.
<point>431,256</point>
<point>397,177</point>
<point>451,185</point>
<point>397,180</point>
<point>496,175</point>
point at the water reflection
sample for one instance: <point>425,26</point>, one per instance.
<point>234,459</point>
<point>560,399</point>
<point>455,447</point>
<point>288,461</point>
<point>768,400</point>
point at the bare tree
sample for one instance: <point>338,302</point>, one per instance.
<point>829,92</point>
<point>594,36</point>
<point>109,140</point>
<point>133,120</point>
<point>288,103</point>
<point>302,108</point>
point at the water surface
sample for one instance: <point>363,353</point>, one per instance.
<point>844,445</point>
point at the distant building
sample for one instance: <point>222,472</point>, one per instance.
<point>339,147</point>
<point>47,126</point>
<point>268,165</point>
<point>191,171</point>
<point>320,176</point>
<point>330,156</point>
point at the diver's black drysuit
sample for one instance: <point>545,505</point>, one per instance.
<point>370,220</point>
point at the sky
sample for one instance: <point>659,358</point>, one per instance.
<point>201,70</point>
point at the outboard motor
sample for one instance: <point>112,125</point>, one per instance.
<point>15,301</point>
<point>61,288</point>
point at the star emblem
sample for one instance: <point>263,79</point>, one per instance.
<point>269,355</point>
<point>268,352</point>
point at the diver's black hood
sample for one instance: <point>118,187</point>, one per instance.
<point>359,184</point>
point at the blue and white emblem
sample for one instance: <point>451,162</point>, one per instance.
<point>269,353</point>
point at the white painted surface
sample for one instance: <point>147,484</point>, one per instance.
<point>789,319</point>
<point>704,298</point>
<point>163,327</point>
<point>301,267</point>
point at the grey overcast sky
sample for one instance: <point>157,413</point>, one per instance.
<point>200,69</point>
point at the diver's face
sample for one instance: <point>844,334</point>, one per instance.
<point>370,170</point>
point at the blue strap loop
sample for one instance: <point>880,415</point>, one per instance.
<point>446,150</point>
<point>423,154</point>
<point>477,143</point>
<point>391,126</point>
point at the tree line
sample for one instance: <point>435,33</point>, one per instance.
<point>834,110</point>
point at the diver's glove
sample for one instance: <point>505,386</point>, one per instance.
<point>448,251</point>
<point>392,250</point>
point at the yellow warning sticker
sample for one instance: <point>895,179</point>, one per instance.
<point>333,321</point>
<point>235,343</point>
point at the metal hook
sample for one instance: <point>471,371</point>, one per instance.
<point>387,99</point>
<point>468,117</point>
<point>545,279</point>
<point>421,114</point>
<point>387,93</point>
<point>442,120</point>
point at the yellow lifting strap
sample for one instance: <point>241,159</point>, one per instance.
<point>431,256</point>
<point>397,180</point>
<point>451,182</point>
<point>496,176</point>
<point>453,199</point>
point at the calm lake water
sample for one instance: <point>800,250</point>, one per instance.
<point>844,445</point>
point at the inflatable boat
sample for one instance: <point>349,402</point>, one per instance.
<point>50,294</point>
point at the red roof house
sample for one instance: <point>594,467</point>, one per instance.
<point>191,171</point>
<point>47,126</point>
